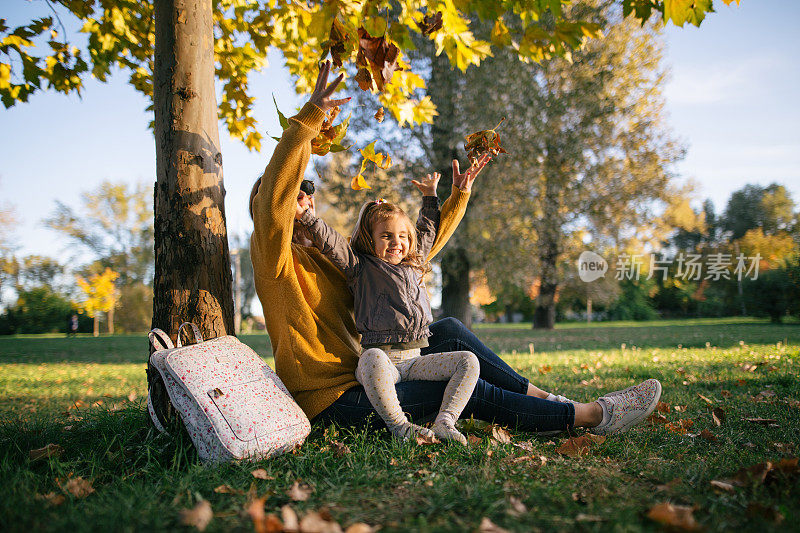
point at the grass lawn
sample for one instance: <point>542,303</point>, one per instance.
<point>87,396</point>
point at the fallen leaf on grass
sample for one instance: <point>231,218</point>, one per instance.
<point>516,507</point>
<point>663,407</point>
<point>299,492</point>
<point>51,450</point>
<point>315,522</point>
<point>725,393</point>
<point>260,473</point>
<point>132,396</point>
<point>722,485</point>
<point>771,513</point>
<point>51,498</point>
<point>656,419</point>
<point>78,487</point>
<point>199,516</point>
<point>678,516</point>
<point>263,522</point>
<point>487,526</point>
<point>535,460</point>
<point>680,426</point>
<point>424,440</point>
<point>707,435</point>
<point>227,489</point>
<point>500,434</point>
<point>290,522</point>
<point>707,400</point>
<point>764,396</point>
<point>472,439</point>
<point>340,449</point>
<point>680,408</point>
<point>718,416</point>
<point>761,421</point>
<point>669,485</point>
<point>749,367</point>
<point>545,369</point>
<point>792,403</point>
<point>579,446</point>
<point>588,518</point>
<point>360,527</point>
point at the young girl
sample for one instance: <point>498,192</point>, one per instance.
<point>384,264</point>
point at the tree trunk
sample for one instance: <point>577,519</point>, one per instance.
<point>192,263</point>
<point>455,285</point>
<point>544,316</point>
<point>96,326</point>
<point>110,317</point>
<point>442,88</point>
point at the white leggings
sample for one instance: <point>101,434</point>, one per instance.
<point>379,371</point>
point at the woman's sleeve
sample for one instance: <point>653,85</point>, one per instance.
<point>427,224</point>
<point>452,212</point>
<point>330,242</point>
<point>275,202</point>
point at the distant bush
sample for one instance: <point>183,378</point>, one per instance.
<point>633,304</point>
<point>38,310</point>
<point>775,293</point>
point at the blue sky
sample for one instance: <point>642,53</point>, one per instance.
<point>732,100</point>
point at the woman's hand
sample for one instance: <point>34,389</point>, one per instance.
<point>321,97</point>
<point>427,185</point>
<point>464,181</point>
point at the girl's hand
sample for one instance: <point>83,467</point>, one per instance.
<point>464,181</point>
<point>427,185</point>
<point>321,97</point>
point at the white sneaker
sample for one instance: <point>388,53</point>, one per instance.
<point>629,407</point>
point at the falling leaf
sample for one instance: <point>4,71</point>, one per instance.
<point>78,487</point>
<point>260,473</point>
<point>51,498</point>
<point>487,526</point>
<point>336,43</point>
<point>430,23</point>
<point>379,56</point>
<point>579,446</point>
<point>290,522</point>
<point>677,516</point>
<point>379,115</point>
<point>199,516</point>
<point>299,492</point>
<point>722,485</point>
<point>51,450</point>
<point>358,183</point>
<point>761,421</point>
<point>483,142</point>
<point>314,522</point>
<point>329,138</point>
<point>718,416</point>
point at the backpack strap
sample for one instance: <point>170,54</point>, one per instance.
<point>198,337</point>
<point>165,344</point>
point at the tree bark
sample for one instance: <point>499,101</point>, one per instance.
<point>110,316</point>
<point>544,316</point>
<point>455,285</point>
<point>192,263</point>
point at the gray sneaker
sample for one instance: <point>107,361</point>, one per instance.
<point>629,407</point>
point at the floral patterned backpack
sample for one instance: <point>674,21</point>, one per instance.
<point>232,404</point>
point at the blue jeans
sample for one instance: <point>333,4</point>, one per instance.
<point>499,395</point>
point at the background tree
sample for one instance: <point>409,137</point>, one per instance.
<point>173,50</point>
<point>100,297</point>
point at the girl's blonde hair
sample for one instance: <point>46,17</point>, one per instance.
<point>379,210</point>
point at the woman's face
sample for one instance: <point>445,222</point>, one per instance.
<point>392,239</point>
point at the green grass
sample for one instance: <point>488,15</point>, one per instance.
<point>77,393</point>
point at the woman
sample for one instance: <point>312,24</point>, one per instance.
<point>309,312</point>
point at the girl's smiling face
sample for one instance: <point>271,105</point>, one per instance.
<point>392,239</point>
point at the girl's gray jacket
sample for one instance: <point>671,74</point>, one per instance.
<point>390,301</point>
